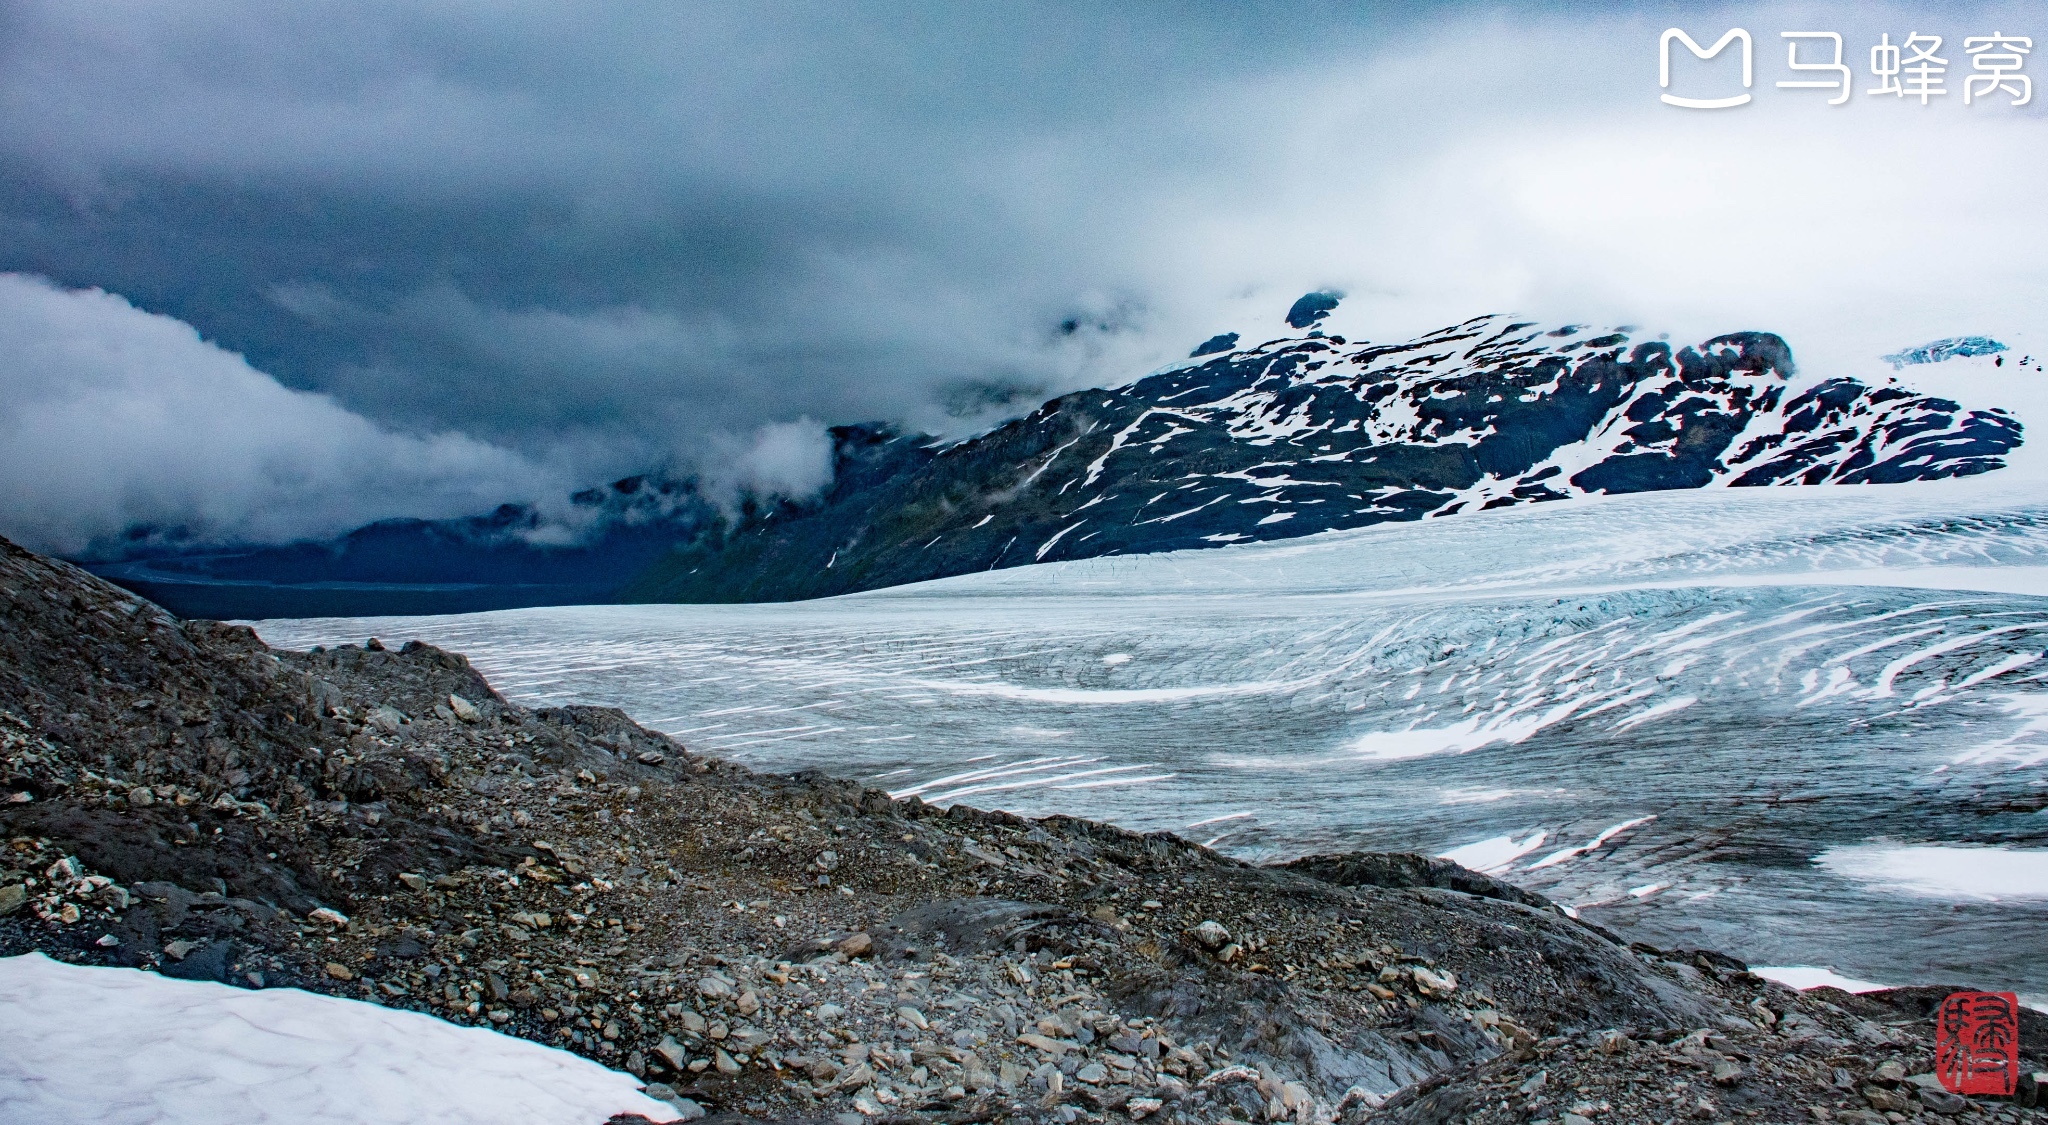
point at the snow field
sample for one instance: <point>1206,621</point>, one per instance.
<point>101,1046</point>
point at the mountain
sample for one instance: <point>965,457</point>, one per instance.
<point>1306,433</point>
<point>509,558</point>
<point>1311,433</point>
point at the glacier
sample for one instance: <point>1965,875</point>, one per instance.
<point>1662,709</point>
<point>1317,432</point>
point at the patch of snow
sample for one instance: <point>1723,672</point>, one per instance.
<point>1512,726</point>
<point>1179,514</point>
<point>1952,872</point>
<point>2026,746</point>
<point>119,1046</point>
<point>1056,537</point>
<point>1814,976</point>
<point>1562,855</point>
<point>1049,459</point>
<point>1492,854</point>
<point>1659,711</point>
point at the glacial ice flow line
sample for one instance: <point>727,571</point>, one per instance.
<point>1220,819</point>
<point>2011,663</point>
<point>1817,636</point>
<point>923,654</point>
<point>1942,692</point>
<point>1118,781</point>
<point>785,738</point>
<point>2023,748</point>
<point>1031,782</point>
<point>1649,714</point>
<point>772,730</point>
<point>1844,658</point>
<point>1564,855</point>
<point>1656,642</point>
<point>1028,765</point>
<point>998,658</point>
<point>2024,581</point>
<point>1723,638</point>
<point>1883,688</point>
<point>1001,690</point>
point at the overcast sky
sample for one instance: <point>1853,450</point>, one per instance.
<point>363,259</point>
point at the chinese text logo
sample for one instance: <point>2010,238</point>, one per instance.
<point>1912,69</point>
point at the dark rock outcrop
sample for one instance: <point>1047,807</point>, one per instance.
<point>1407,869</point>
<point>1301,435</point>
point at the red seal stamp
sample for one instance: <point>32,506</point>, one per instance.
<point>1977,1043</point>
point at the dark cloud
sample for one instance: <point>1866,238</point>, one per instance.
<point>666,220</point>
<point>603,240</point>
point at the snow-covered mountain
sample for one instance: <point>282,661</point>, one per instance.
<point>1306,433</point>
<point>1313,432</point>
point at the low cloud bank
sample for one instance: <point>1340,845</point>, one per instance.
<point>779,459</point>
<point>117,423</point>
<point>112,419</point>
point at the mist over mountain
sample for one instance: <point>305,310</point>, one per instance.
<point>1299,434</point>
<point>513,556</point>
<point>1313,433</point>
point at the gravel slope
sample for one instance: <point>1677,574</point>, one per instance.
<point>381,825</point>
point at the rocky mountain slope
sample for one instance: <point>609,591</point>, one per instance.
<point>379,824</point>
<point>1305,433</point>
<point>1311,433</point>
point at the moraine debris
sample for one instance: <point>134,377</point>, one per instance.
<point>377,823</point>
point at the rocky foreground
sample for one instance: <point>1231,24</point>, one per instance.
<point>381,825</point>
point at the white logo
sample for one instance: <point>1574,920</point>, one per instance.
<point>1664,67</point>
<point>1924,80</point>
<point>1995,68</point>
<point>1909,70</point>
<point>1837,66</point>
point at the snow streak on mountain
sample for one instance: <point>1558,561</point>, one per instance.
<point>1312,433</point>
